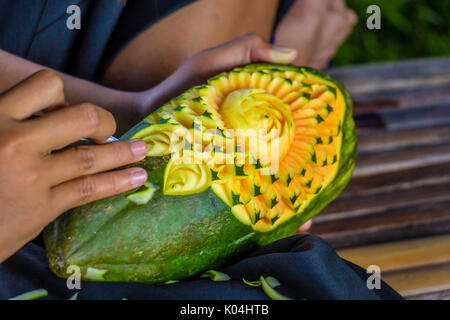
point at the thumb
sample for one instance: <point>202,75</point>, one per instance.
<point>255,49</point>
<point>244,50</point>
<point>274,54</point>
<point>237,52</point>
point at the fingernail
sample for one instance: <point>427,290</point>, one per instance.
<point>138,147</point>
<point>138,176</point>
<point>283,49</point>
<point>282,54</point>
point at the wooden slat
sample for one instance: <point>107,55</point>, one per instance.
<point>389,141</point>
<point>379,163</point>
<point>393,225</point>
<point>374,103</point>
<point>406,69</point>
<point>398,180</point>
<point>419,281</point>
<point>369,204</point>
<point>400,255</point>
<point>393,76</point>
<point>397,84</point>
<point>439,295</point>
<point>427,116</point>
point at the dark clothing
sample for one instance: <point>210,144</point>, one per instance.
<point>36,30</point>
<point>306,267</point>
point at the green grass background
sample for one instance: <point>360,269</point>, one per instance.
<point>409,29</point>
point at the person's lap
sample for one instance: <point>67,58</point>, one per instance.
<point>306,267</point>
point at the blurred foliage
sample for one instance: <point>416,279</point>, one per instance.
<point>409,29</point>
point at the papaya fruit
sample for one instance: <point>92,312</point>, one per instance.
<point>234,164</point>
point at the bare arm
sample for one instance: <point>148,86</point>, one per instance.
<point>125,106</point>
<point>130,107</point>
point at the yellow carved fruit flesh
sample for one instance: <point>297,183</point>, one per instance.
<point>267,139</point>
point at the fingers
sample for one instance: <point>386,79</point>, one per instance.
<point>337,5</point>
<point>240,51</point>
<point>250,48</point>
<point>339,23</point>
<point>304,227</point>
<point>94,187</point>
<point>259,50</point>
<point>274,54</point>
<point>343,22</point>
<point>64,126</point>
<point>86,160</point>
<point>352,18</point>
<point>22,101</point>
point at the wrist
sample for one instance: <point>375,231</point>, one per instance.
<point>137,102</point>
<point>128,109</point>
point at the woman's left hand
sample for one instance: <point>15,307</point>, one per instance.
<point>240,51</point>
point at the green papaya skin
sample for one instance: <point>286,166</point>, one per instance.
<point>174,237</point>
<point>168,238</point>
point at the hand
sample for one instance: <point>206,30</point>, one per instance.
<point>316,29</point>
<point>205,64</point>
<point>36,183</point>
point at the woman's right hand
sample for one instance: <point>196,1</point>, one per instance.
<point>38,182</point>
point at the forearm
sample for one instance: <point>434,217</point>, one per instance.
<point>125,106</point>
